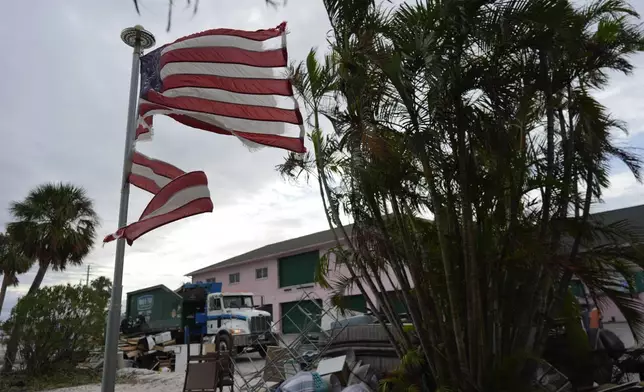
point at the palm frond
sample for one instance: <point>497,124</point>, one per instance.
<point>56,224</point>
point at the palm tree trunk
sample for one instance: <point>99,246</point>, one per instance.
<point>40,275</point>
<point>12,348</point>
<point>12,345</point>
<point>550,150</point>
<point>3,289</point>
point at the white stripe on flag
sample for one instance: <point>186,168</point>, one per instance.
<point>270,100</point>
<point>180,199</point>
<point>236,124</point>
<point>228,41</point>
<point>146,172</point>
<point>224,70</point>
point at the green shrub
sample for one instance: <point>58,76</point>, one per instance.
<point>59,325</point>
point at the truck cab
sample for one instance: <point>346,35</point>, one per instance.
<point>233,318</point>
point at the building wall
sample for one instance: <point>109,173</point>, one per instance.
<point>269,287</point>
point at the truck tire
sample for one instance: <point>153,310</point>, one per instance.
<point>262,351</point>
<point>223,342</point>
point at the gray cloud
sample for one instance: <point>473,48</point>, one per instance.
<point>63,112</point>
<point>63,108</point>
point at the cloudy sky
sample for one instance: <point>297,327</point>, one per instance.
<point>63,105</point>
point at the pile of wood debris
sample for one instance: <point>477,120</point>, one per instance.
<point>149,352</point>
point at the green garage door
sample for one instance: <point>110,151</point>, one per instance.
<point>357,303</point>
<point>301,315</point>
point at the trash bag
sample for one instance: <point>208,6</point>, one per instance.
<point>305,382</point>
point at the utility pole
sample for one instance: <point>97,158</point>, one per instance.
<point>87,278</point>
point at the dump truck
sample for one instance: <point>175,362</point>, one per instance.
<point>197,312</point>
<point>232,319</point>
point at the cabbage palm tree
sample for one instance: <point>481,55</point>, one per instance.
<point>13,262</point>
<point>55,225</point>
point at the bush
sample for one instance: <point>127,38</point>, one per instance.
<point>59,325</point>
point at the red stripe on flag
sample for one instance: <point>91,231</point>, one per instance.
<point>225,55</point>
<point>248,112</point>
<point>144,183</point>
<point>287,143</point>
<point>159,167</point>
<point>141,130</point>
<point>258,35</point>
<point>188,180</point>
<point>113,236</point>
<point>235,85</point>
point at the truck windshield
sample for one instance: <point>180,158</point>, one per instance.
<point>238,302</point>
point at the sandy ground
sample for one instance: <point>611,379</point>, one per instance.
<point>146,380</point>
<point>150,381</point>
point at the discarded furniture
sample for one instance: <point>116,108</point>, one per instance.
<point>209,372</point>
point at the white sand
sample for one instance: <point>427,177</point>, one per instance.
<point>143,380</point>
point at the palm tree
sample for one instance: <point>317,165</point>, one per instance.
<point>55,225</point>
<point>13,262</point>
<point>481,113</point>
<point>102,285</point>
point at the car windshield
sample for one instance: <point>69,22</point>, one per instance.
<point>238,302</point>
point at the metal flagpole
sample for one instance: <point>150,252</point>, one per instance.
<point>138,38</point>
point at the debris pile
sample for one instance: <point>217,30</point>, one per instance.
<point>94,361</point>
<point>316,358</point>
<point>332,374</point>
<point>149,352</point>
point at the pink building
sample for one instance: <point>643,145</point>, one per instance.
<point>283,274</point>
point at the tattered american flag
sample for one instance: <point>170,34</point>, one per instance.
<point>185,196</point>
<point>225,81</point>
<point>230,82</point>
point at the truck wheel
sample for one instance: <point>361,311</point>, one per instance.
<point>262,351</point>
<point>223,343</point>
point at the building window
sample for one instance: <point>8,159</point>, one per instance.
<point>261,273</point>
<point>211,280</point>
<point>233,278</point>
